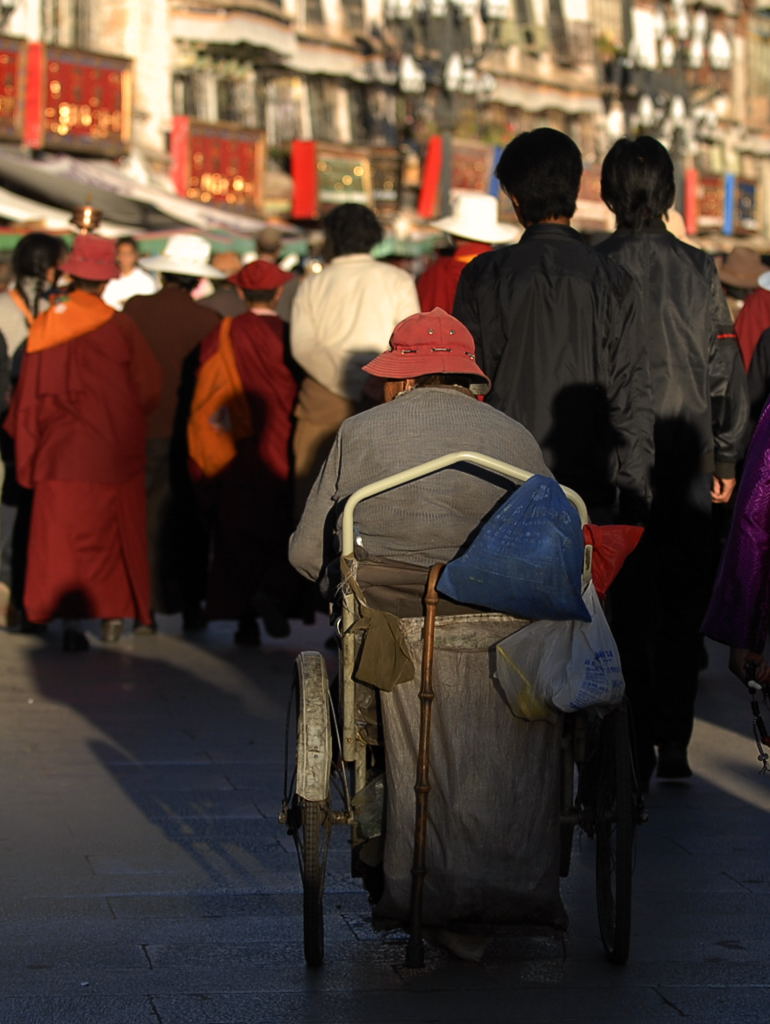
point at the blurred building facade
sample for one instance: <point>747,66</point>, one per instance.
<point>223,90</point>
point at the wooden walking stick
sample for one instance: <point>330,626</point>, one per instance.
<point>415,955</point>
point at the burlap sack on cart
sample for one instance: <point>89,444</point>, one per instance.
<point>493,810</point>
<point>565,666</point>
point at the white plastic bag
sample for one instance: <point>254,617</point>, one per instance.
<point>566,666</point>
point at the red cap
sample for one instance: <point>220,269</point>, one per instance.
<point>428,343</point>
<point>92,258</point>
<point>260,276</point>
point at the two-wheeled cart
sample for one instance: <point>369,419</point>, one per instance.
<point>361,761</point>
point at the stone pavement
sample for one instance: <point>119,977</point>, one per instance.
<point>144,878</point>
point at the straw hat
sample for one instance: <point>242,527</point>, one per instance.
<point>427,343</point>
<point>474,216</point>
<point>184,254</point>
<point>741,268</point>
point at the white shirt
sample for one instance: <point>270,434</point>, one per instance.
<point>344,316</point>
<point>119,290</point>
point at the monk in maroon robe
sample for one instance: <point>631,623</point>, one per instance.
<point>239,438</point>
<point>437,285</point>
<point>473,228</point>
<point>78,421</point>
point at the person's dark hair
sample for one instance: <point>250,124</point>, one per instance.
<point>261,295</point>
<point>81,284</point>
<point>183,280</point>
<point>127,240</point>
<point>351,228</point>
<point>542,169</point>
<point>638,182</point>
<point>33,257</point>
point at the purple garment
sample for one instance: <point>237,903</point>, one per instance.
<point>739,610</point>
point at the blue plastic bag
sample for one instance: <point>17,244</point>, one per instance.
<point>526,559</point>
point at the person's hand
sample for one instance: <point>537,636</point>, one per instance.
<point>740,658</point>
<point>722,489</point>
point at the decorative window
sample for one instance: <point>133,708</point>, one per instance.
<point>66,23</point>
<point>184,94</point>
<point>354,15</point>
<point>759,53</point>
<point>285,99</point>
<point>314,12</point>
<point>560,39</point>
<point>323,108</point>
<point>608,19</point>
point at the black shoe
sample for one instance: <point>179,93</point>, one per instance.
<point>112,630</point>
<point>247,634</point>
<point>74,640</point>
<point>672,760</point>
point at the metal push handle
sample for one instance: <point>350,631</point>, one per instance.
<point>432,466</point>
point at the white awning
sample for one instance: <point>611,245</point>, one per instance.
<point>21,210</point>
<point>68,181</point>
<point>232,27</point>
<point>101,174</point>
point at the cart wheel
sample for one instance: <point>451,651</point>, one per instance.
<point>312,846</point>
<point>615,822</point>
<point>309,813</point>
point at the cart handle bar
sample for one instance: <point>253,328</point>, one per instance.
<point>425,469</point>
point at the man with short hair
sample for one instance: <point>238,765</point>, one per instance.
<point>340,319</point>
<point>269,242</point>
<point>132,280</point>
<point>555,328</point>
<point>77,417</point>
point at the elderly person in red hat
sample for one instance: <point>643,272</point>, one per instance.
<point>239,438</point>
<point>87,382</point>
<point>432,382</point>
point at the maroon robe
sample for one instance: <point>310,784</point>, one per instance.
<point>438,284</point>
<point>78,422</point>
<point>751,322</point>
<point>251,498</point>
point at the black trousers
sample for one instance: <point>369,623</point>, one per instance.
<point>656,607</point>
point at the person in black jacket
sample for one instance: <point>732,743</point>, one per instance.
<point>555,329</point>
<point>701,408</point>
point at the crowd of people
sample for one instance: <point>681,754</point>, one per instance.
<point>161,445</point>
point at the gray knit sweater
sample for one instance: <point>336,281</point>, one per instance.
<point>425,521</point>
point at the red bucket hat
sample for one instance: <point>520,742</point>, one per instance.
<point>428,343</point>
<point>260,276</point>
<point>92,259</point>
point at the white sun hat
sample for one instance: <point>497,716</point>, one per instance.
<point>474,216</point>
<point>184,254</point>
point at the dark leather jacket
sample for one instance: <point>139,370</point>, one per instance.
<point>698,381</point>
<point>555,324</point>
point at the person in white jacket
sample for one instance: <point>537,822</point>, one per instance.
<point>341,318</point>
